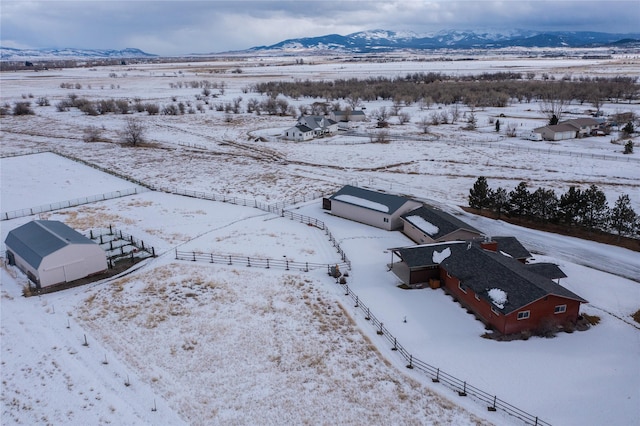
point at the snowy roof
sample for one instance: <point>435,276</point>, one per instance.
<point>483,270</point>
<point>512,247</point>
<point>37,239</point>
<point>436,223</point>
<point>372,200</point>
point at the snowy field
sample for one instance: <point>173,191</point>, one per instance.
<point>178,342</point>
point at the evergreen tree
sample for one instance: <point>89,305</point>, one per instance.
<point>499,200</point>
<point>596,210</point>
<point>628,147</point>
<point>544,204</point>
<point>497,125</point>
<point>520,200</point>
<point>623,219</point>
<point>553,120</point>
<point>571,206</point>
<point>479,194</point>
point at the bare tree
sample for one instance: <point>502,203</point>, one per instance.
<point>92,134</point>
<point>424,124</point>
<point>133,131</point>
<point>404,117</point>
<point>511,130</point>
<point>454,111</point>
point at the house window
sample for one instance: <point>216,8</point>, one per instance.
<point>495,311</point>
<point>523,315</point>
<point>386,219</point>
<point>560,309</point>
<point>461,288</point>
<point>477,297</point>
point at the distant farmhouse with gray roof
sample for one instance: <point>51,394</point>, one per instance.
<point>49,252</point>
<point>309,127</point>
<point>569,129</point>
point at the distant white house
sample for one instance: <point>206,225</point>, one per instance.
<point>309,127</point>
<point>49,252</point>
<point>370,207</point>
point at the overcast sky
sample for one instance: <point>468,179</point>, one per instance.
<point>174,27</point>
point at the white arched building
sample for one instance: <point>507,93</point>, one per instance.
<point>49,252</point>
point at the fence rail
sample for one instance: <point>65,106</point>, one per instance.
<point>248,261</point>
<point>70,203</point>
<point>438,376</point>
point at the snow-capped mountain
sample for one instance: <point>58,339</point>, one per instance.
<point>384,40</point>
<point>11,54</point>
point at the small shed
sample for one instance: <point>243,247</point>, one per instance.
<point>50,252</point>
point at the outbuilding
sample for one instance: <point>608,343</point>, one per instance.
<point>370,207</point>
<point>50,252</point>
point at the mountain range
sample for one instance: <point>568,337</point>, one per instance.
<point>385,41</point>
<point>373,41</point>
<point>11,54</point>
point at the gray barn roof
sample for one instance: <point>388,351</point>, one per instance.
<point>392,202</point>
<point>445,222</point>
<point>37,239</point>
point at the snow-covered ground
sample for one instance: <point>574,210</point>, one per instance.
<point>216,344</point>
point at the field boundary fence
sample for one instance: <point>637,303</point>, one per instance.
<point>275,208</point>
<point>259,262</point>
<point>461,387</point>
<point>69,203</point>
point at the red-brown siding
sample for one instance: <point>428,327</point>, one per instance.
<point>540,311</point>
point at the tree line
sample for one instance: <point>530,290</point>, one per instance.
<point>586,208</point>
<point>485,90</point>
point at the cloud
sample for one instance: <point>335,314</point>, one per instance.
<point>186,26</point>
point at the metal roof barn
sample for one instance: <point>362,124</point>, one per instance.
<point>50,252</point>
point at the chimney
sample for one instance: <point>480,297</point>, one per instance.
<point>489,244</point>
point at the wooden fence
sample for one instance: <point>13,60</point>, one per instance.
<point>463,388</point>
<point>258,262</point>
<point>70,203</point>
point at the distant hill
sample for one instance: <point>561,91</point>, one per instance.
<point>386,41</point>
<point>11,54</point>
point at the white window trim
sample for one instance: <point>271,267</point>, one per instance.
<point>560,309</point>
<point>495,311</point>
<point>522,315</point>
<point>461,288</point>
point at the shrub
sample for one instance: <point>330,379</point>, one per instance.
<point>628,147</point>
<point>92,134</point>
<point>591,319</point>
<point>22,108</point>
<point>636,316</point>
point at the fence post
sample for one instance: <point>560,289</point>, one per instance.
<point>153,252</point>
<point>194,256</point>
<point>230,262</point>
<point>437,379</point>
<point>211,257</point>
<point>248,262</point>
<point>380,332</point>
<point>346,289</point>
<point>176,254</point>
<point>306,267</point>
<point>110,230</point>
<point>493,407</point>
<point>395,345</point>
<point>410,366</point>
<point>91,234</point>
<point>357,302</point>
<point>267,263</point>
<point>367,317</point>
<point>287,264</point>
<point>464,390</point>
